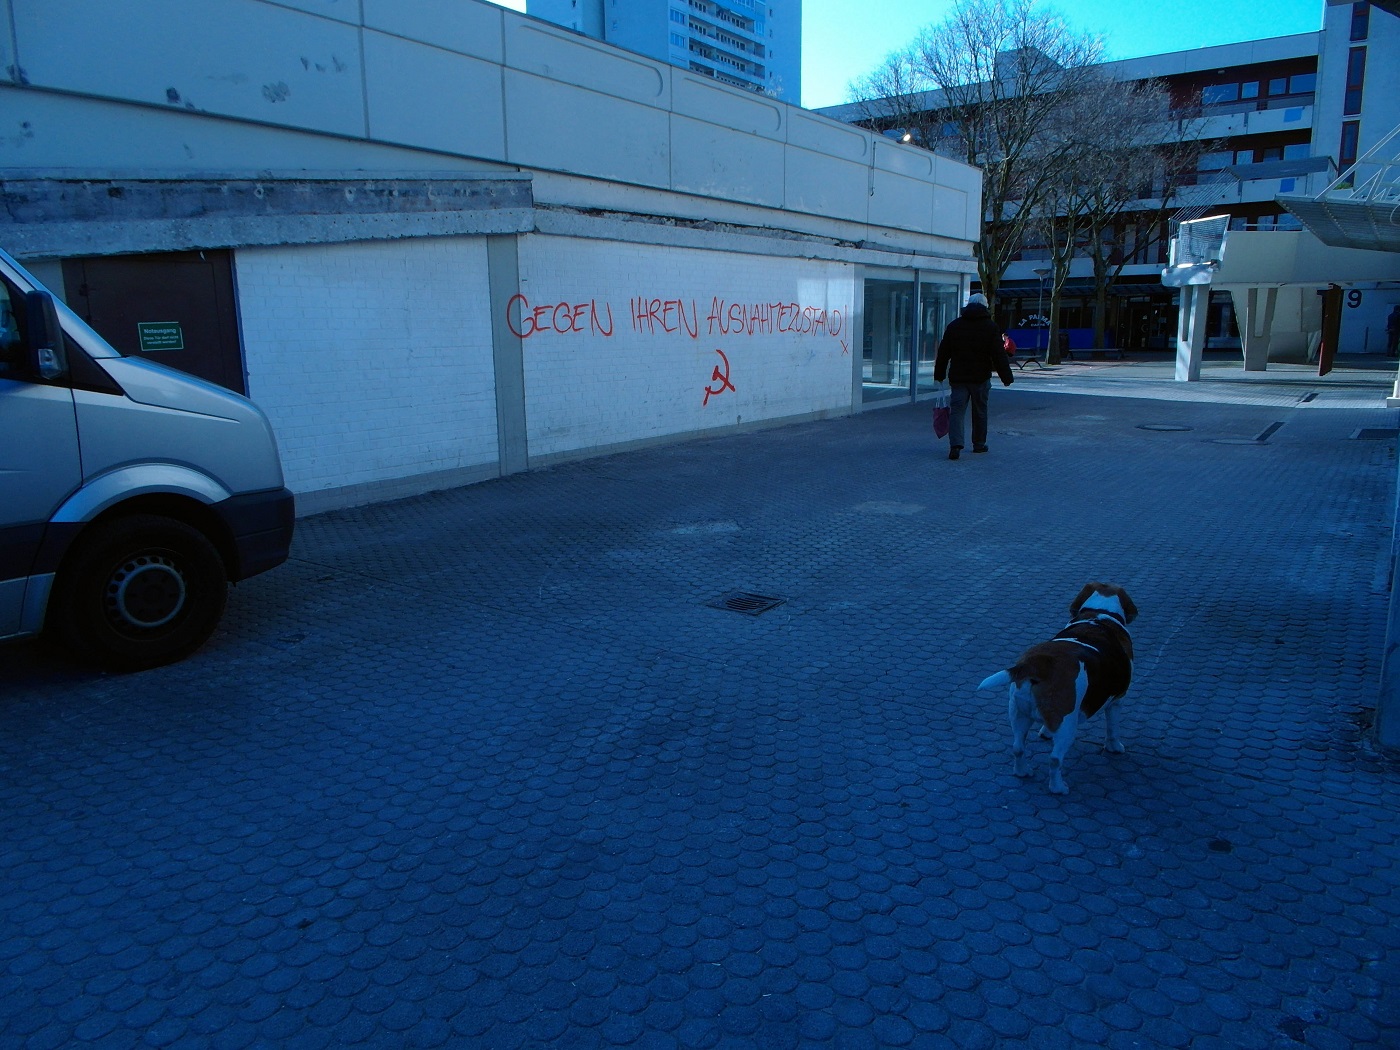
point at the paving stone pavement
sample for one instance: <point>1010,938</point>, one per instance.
<point>486,768</point>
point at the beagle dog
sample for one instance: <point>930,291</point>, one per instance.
<point>1084,668</point>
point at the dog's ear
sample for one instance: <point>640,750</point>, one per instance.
<point>1078,603</point>
<point>1129,609</point>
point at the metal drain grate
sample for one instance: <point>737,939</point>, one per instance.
<point>1375,434</point>
<point>747,603</point>
<point>1164,428</point>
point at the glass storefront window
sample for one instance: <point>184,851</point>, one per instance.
<point>903,320</point>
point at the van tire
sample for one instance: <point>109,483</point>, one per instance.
<point>139,592</point>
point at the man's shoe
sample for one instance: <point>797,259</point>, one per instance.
<point>979,448</point>
<point>953,452</point>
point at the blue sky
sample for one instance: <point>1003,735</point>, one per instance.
<point>842,39</point>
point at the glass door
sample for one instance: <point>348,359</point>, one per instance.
<point>888,338</point>
<point>938,304</point>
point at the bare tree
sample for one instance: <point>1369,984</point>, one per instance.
<point>1138,148</point>
<point>1072,160</point>
<point>1057,227</point>
<point>1001,71</point>
<point>895,97</point>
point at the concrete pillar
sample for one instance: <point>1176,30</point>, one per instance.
<point>1256,329</point>
<point>1191,331</point>
<point>1387,727</point>
<point>508,351</point>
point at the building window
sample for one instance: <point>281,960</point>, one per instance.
<point>1351,137</point>
<point>1360,21</point>
<point>678,16</point>
<point>1250,89</point>
<point>1356,80</point>
<point>677,40</point>
<point>1215,94</point>
<point>1302,83</point>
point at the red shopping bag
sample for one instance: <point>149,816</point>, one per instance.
<point>940,413</point>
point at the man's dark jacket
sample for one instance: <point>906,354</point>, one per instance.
<point>971,350</point>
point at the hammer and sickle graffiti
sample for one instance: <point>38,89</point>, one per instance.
<point>719,376</point>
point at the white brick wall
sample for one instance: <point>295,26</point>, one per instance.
<point>600,372</point>
<point>373,360</point>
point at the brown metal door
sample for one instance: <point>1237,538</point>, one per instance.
<point>1331,328</point>
<point>176,308</point>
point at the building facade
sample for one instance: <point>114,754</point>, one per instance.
<point>442,242</point>
<point>751,44</point>
<point>1282,116</point>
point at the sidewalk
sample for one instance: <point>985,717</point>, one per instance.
<point>489,768</point>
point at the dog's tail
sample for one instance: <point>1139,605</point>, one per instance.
<point>997,681</point>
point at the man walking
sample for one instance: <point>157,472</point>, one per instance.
<point>969,352</point>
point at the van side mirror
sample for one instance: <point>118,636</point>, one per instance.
<point>47,358</point>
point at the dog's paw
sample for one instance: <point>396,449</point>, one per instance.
<point>1058,786</point>
<point>1115,747</point>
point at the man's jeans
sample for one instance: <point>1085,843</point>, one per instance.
<point>959,396</point>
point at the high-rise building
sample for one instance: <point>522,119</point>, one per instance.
<point>753,44</point>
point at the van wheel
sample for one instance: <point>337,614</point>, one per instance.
<point>139,592</point>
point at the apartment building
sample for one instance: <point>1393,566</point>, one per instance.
<point>1282,116</point>
<point>750,44</point>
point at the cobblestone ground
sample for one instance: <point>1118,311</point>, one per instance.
<point>486,768</point>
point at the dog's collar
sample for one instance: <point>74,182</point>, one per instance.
<point>1101,614</point>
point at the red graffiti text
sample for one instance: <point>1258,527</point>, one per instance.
<point>726,318</point>
<point>665,315</point>
<point>566,318</point>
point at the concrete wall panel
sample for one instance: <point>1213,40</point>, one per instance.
<point>904,160</point>
<point>469,29</point>
<point>433,98</point>
<point>372,360</point>
<point>955,213</point>
<point>825,185</point>
<point>828,137</point>
<point>9,67</point>
<point>603,136</point>
<point>707,156</point>
<point>553,53</point>
<point>742,111</point>
<point>901,202</point>
<point>336,9</point>
<point>252,61</point>
<point>88,135</point>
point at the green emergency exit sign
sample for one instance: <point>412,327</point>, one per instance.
<point>160,335</point>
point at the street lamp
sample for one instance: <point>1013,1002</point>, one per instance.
<point>1042,272</point>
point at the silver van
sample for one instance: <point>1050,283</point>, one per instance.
<point>131,495</point>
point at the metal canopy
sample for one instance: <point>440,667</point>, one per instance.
<point>1342,223</point>
<point>1361,208</point>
